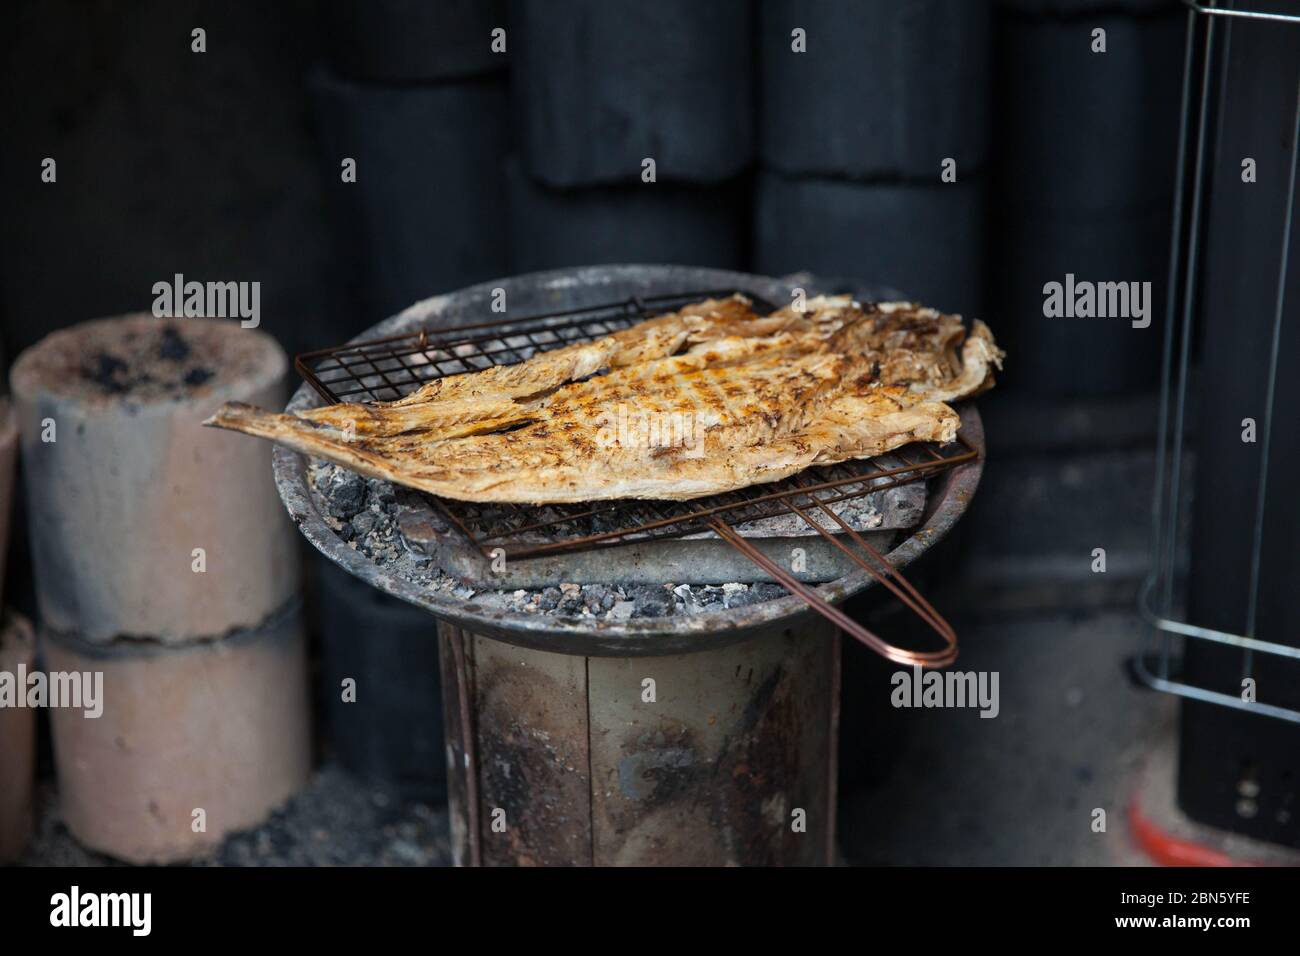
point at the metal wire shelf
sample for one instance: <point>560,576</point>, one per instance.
<point>1157,600</point>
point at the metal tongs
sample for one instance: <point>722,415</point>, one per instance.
<point>878,567</point>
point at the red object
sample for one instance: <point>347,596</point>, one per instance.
<point>1168,850</point>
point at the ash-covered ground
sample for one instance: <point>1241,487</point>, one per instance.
<point>363,511</point>
<point>336,820</point>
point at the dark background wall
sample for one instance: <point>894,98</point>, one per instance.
<point>473,164</point>
<point>168,161</point>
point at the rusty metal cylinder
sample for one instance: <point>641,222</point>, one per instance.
<point>143,523</point>
<point>720,757</point>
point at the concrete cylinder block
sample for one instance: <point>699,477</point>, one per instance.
<point>218,726</point>
<point>143,523</point>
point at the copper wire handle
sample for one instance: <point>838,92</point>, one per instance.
<point>890,577</point>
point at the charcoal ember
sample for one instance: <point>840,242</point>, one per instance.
<point>172,345</point>
<point>650,600</point>
<point>926,65</point>
<point>523,600</point>
<point>1117,150</point>
<point>107,371</point>
<point>756,594</point>
<point>344,493</point>
<point>645,222</point>
<point>708,596</point>
<point>380,493</point>
<point>926,239</point>
<point>426,211</point>
<point>408,41</point>
<point>686,599</point>
<point>570,604</point>
<point>605,85</point>
<point>364,523</point>
<point>598,598</point>
<point>653,607</point>
<point>592,593</point>
<point>733,594</point>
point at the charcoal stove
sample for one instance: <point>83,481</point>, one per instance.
<point>707,738</point>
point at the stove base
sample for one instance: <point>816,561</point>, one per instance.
<point>721,757</point>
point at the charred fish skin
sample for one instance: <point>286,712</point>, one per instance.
<point>704,400</point>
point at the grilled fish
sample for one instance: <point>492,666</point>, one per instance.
<point>707,399</point>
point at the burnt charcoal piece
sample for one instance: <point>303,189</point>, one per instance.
<point>883,89</point>
<point>172,345</point>
<point>924,239</point>
<point>345,495</point>
<point>427,211</point>
<point>393,730</point>
<point>407,41</point>
<point>363,524</point>
<point>1081,131</point>
<point>601,86</point>
<point>197,376</point>
<point>1082,356</point>
<point>646,222</point>
<point>549,599</point>
<point>108,372</point>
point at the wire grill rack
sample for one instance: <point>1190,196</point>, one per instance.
<point>1158,602</point>
<point>389,368</point>
<point>580,527</point>
<point>383,370</point>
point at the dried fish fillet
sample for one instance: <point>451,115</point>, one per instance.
<point>707,399</point>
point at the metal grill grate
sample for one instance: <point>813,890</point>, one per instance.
<point>391,368</point>
<point>383,370</point>
<point>575,527</point>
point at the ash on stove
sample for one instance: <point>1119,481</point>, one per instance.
<point>363,512</point>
